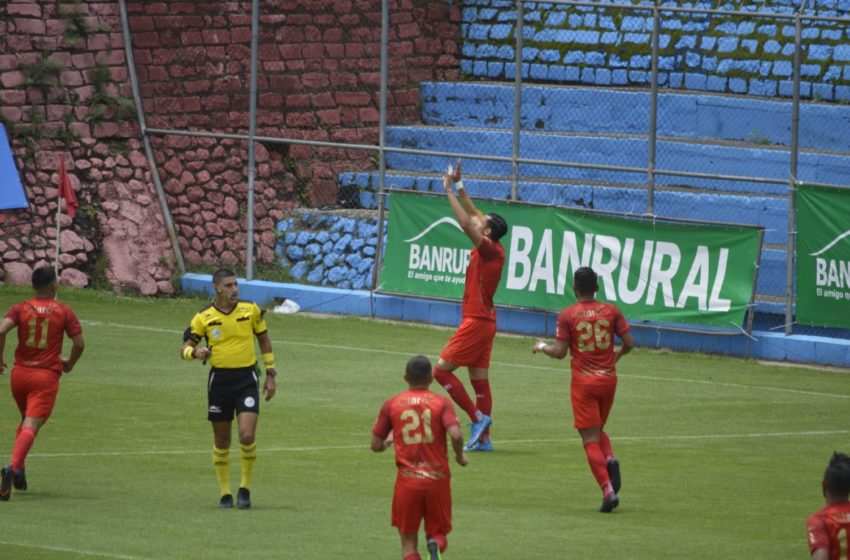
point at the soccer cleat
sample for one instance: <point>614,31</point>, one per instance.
<point>610,502</point>
<point>19,479</point>
<point>481,445</point>
<point>478,429</point>
<point>433,550</point>
<point>613,467</point>
<point>243,498</point>
<point>5,483</point>
<point>226,501</point>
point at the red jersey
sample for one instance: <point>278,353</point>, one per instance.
<point>589,328</point>
<point>828,528</point>
<point>482,278</point>
<point>418,420</point>
<point>41,324</point>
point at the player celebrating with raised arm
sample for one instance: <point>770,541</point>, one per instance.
<point>230,325</point>
<point>418,420</point>
<point>827,529</point>
<point>42,323</point>
<point>586,329</point>
<point>472,343</point>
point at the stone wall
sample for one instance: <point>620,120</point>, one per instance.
<point>612,47</point>
<point>65,90</point>
<point>65,95</point>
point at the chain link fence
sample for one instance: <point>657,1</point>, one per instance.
<point>701,112</point>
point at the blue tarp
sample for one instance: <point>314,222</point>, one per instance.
<point>11,190</point>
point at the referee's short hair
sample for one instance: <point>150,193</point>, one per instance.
<point>43,276</point>
<point>585,281</point>
<point>221,274</point>
<point>418,369</point>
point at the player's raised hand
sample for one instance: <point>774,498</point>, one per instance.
<point>455,173</point>
<point>447,182</point>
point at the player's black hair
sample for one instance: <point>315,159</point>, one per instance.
<point>418,369</point>
<point>836,478</point>
<point>498,226</point>
<point>43,276</point>
<point>221,274</point>
<point>585,281</point>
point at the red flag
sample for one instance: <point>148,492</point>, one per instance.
<point>66,191</point>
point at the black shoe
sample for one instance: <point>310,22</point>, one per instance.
<point>433,550</point>
<point>609,503</point>
<point>243,498</point>
<point>613,467</point>
<point>5,483</point>
<point>226,501</point>
<point>19,479</point>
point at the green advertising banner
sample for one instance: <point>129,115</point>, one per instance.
<point>658,271</point>
<point>823,256</point>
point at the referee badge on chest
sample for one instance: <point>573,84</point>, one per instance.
<point>216,333</point>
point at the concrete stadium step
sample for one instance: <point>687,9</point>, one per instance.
<point>626,111</point>
<point>747,161</point>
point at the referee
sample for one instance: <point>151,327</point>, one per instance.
<point>229,326</point>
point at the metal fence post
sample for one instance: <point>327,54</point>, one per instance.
<point>146,141</point>
<point>792,183</point>
<point>653,113</point>
<point>382,140</point>
<point>520,24</point>
<point>252,131</point>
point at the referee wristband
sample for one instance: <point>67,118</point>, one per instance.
<point>268,361</point>
<point>188,353</point>
<point>459,185</point>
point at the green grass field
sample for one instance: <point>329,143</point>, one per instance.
<point>721,458</point>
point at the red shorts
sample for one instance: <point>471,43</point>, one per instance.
<point>592,401</point>
<point>34,390</point>
<point>418,500</point>
<point>471,344</point>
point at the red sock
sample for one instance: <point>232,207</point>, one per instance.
<point>23,443</point>
<point>442,542</point>
<point>597,466</point>
<point>414,556</point>
<point>605,445</point>
<point>17,433</point>
<point>456,391</point>
<point>483,398</point>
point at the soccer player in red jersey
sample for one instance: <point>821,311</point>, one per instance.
<point>472,343</point>
<point>417,421</point>
<point>41,321</point>
<point>586,329</point>
<point>828,529</point>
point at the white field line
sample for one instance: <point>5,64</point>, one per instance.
<point>364,447</point>
<point>562,369</point>
<point>75,551</point>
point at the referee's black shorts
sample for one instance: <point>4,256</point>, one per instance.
<point>232,390</point>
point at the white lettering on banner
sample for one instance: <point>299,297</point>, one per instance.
<point>521,241</point>
<point>447,260</point>
<point>633,296</point>
<point>611,258</point>
<point>663,277</point>
<point>832,273</point>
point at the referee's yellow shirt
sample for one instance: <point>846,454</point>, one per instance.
<point>230,336</point>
